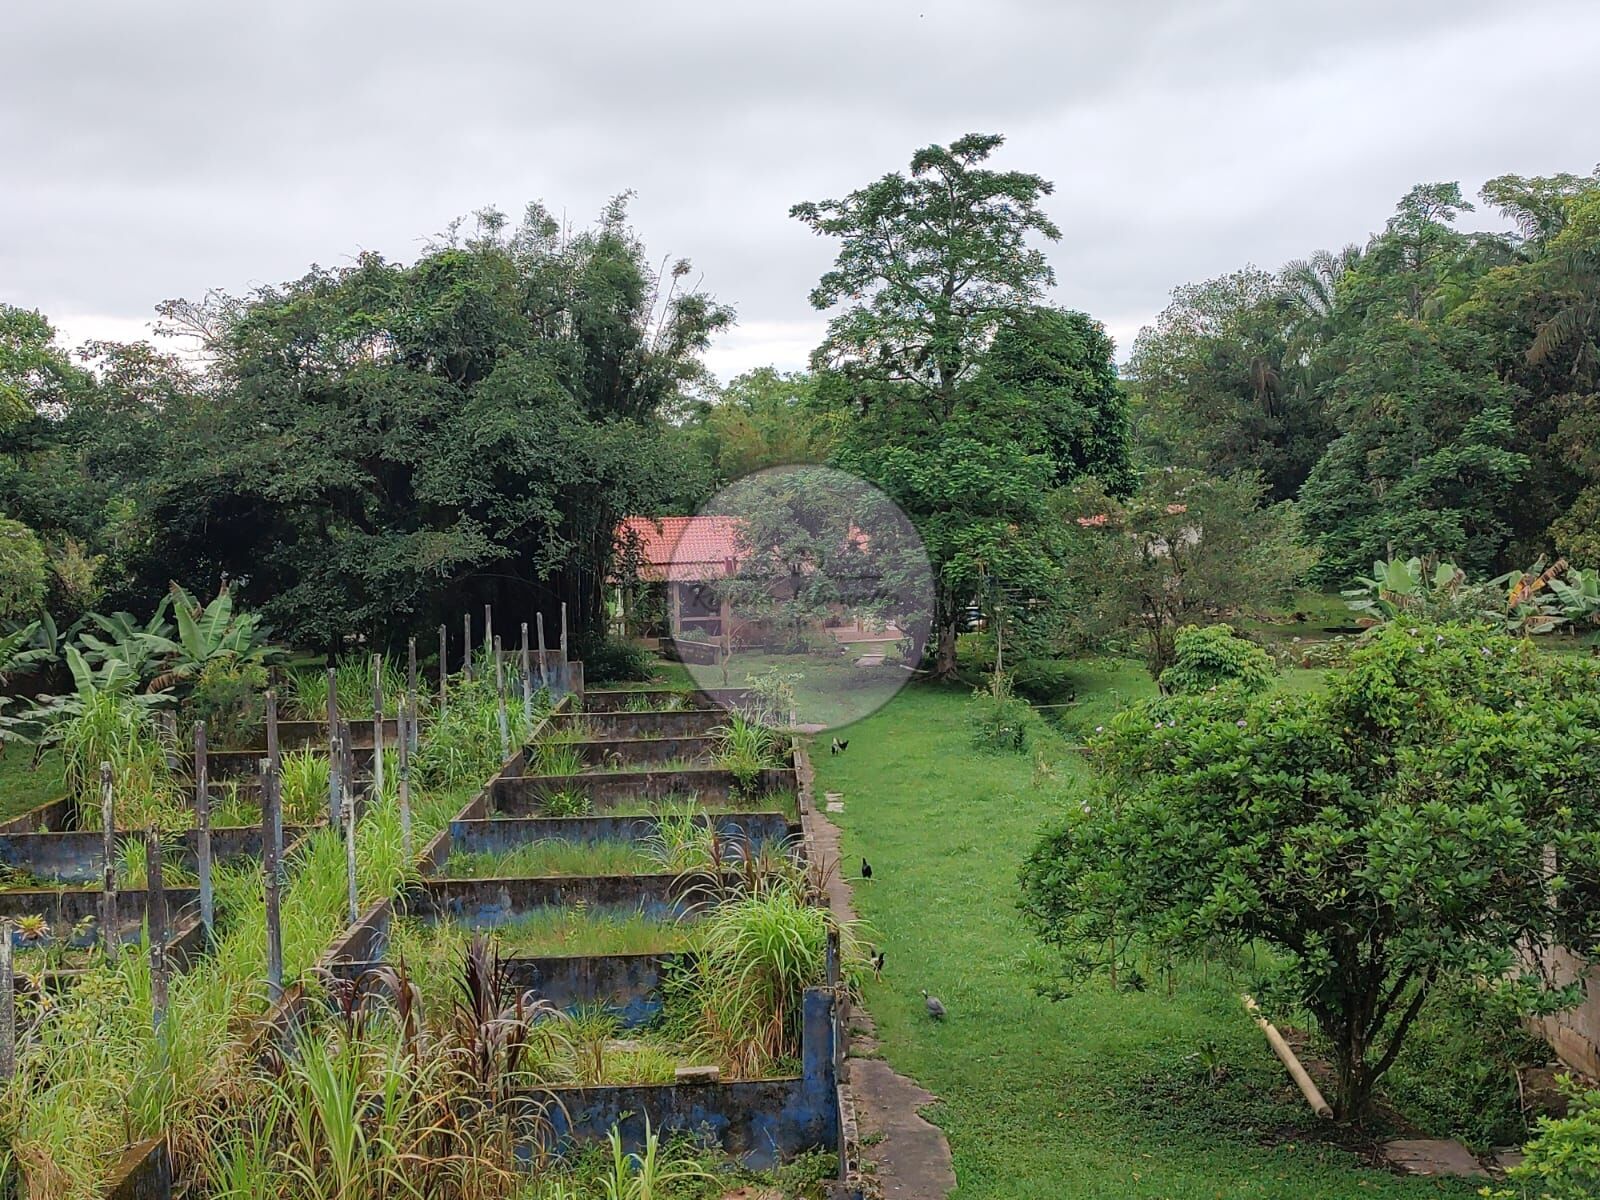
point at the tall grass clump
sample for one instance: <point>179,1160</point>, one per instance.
<point>746,748</point>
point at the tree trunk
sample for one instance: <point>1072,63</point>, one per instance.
<point>947,623</point>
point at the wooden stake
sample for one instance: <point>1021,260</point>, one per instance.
<point>488,629</point>
<point>527,680</point>
<point>269,873</point>
<point>202,825</point>
<point>444,666</point>
<point>405,777</point>
<point>377,726</point>
<point>276,759</point>
<point>500,701</point>
<point>411,685</point>
<point>156,919</point>
<point>334,766</point>
<point>8,1006</point>
<point>108,893</point>
<point>466,646</point>
<point>544,666</point>
<point>564,643</point>
<point>350,853</point>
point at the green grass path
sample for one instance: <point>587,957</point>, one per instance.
<point>1041,1099</point>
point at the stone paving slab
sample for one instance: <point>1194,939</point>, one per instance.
<point>1433,1156</point>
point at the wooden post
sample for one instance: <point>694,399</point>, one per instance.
<point>444,666</point>
<point>488,630</point>
<point>411,685</point>
<point>350,853</point>
<point>276,759</point>
<point>500,701</point>
<point>156,918</point>
<point>377,726</point>
<point>566,671</point>
<point>8,1006</point>
<point>544,675</point>
<point>334,766</point>
<point>202,826</point>
<point>269,873</point>
<point>108,894</point>
<point>527,681</point>
<point>466,646</point>
<point>405,777</point>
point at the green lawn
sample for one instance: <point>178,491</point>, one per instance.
<point>1101,1095</point>
<point>22,786</point>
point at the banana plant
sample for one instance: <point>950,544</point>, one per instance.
<point>206,634</point>
<point>1404,586</point>
<point>1531,603</point>
<point>125,639</point>
<point>1578,594</point>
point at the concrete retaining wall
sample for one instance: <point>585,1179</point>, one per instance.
<point>500,835</point>
<point>52,815</point>
<point>616,700</point>
<point>485,903</point>
<point>78,857</point>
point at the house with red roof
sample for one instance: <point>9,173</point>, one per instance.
<point>679,561</point>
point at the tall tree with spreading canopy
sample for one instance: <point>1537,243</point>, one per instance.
<point>965,399</point>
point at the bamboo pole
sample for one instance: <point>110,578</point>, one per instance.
<point>156,919</point>
<point>1287,1057</point>
<point>108,892</point>
<point>202,825</point>
<point>269,872</point>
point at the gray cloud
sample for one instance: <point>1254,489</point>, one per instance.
<point>160,148</point>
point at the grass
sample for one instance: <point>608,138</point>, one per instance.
<point>23,785</point>
<point>546,933</point>
<point>1103,1094</point>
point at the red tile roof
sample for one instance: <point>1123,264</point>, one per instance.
<point>683,548</point>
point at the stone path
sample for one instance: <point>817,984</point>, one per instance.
<point>909,1158</point>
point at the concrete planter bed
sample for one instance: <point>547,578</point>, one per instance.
<point>50,816</point>
<point>619,754</point>
<point>661,699</point>
<point>78,857</point>
<point>525,795</point>
<point>759,1122</point>
<point>610,726</point>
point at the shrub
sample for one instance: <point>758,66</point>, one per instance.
<point>1563,1161</point>
<point>1213,657</point>
<point>229,696</point>
<point>999,722</point>
<point>615,660</point>
<point>24,570</point>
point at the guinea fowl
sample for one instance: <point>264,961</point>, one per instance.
<point>877,965</point>
<point>866,870</point>
<point>934,1005</point>
<point>839,747</point>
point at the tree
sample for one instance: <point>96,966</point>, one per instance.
<point>1426,458</point>
<point>1425,823</point>
<point>933,358</point>
<point>389,444</point>
<point>931,264</point>
<point>1185,546</point>
<point>24,571</point>
<point>1228,376</point>
<point>762,418</point>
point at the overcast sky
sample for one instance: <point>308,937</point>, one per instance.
<point>157,148</point>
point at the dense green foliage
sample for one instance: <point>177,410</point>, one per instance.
<point>376,448</point>
<point>1432,391</point>
<point>1213,656</point>
<point>1390,837</point>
